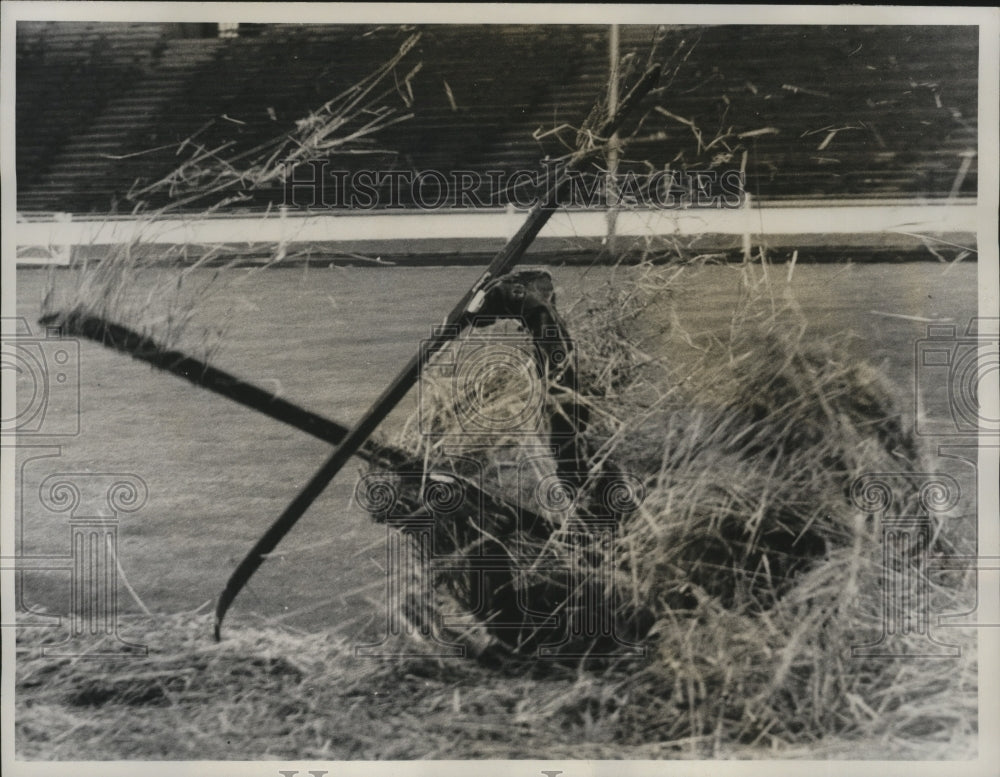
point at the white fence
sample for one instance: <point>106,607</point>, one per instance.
<point>50,240</point>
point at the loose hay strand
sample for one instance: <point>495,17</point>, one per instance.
<point>159,295</point>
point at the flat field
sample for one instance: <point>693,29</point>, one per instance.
<point>285,682</point>
<point>330,339</point>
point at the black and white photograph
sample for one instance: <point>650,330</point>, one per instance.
<point>562,389</point>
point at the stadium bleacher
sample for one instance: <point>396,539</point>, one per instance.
<point>859,112</point>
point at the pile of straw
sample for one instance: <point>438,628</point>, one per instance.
<point>739,564</point>
<point>737,454</point>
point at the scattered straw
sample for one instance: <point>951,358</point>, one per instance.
<point>159,292</point>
